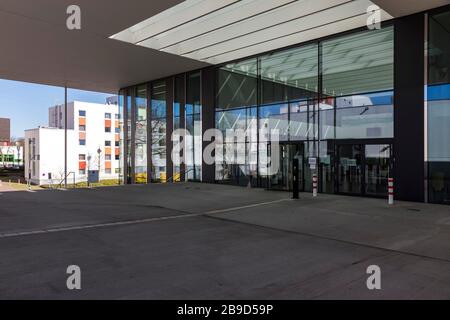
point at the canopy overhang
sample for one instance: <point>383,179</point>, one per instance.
<point>162,38</point>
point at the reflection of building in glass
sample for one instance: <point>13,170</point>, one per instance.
<point>93,144</point>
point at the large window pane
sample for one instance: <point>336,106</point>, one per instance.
<point>236,85</point>
<point>365,116</point>
<point>121,136</point>
<point>359,63</point>
<point>158,132</point>
<point>194,127</point>
<point>439,109</point>
<point>141,135</point>
<point>289,75</point>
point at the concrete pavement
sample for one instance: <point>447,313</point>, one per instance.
<point>198,241</point>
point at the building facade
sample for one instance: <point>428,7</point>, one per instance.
<point>92,144</point>
<point>5,131</point>
<point>351,107</point>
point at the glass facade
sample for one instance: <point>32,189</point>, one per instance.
<point>330,103</point>
<point>313,97</point>
<point>438,109</point>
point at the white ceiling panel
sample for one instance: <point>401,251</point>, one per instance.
<point>213,31</point>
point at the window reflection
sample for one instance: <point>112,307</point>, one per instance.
<point>158,132</point>
<point>141,135</point>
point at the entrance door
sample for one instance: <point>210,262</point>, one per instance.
<point>350,168</point>
<point>364,169</point>
<point>283,178</point>
<point>377,167</point>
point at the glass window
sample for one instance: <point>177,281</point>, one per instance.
<point>141,135</point>
<point>82,142</point>
<point>107,115</point>
<point>290,75</point>
<point>107,143</point>
<point>194,140</point>
<point>108,157</point>
<point>178,108</point>
<point>274,119</point>
<point>107,129</point>
<point>438,109</point>
<point>120,157</point>
<point>365,116</point>
<point>128,127</point>
<point>237,85</point>
<point>82,157</point>
<point>82,128</point>
<point>82,113</point>
<point>359,63</point>
<point>158,131</point>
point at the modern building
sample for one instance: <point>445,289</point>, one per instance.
<point>347,102</point>
<point>5,131</point>
<point>92,144</point>
<point>355,100</point>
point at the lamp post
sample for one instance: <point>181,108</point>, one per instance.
<point>99,151</point>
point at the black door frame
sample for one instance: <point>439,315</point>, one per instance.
<point>363,143</point>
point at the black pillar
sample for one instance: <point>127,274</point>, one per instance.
<point>208,118</point>
<point>409,170</point>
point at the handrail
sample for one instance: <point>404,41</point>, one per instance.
<point>173,175</point>
<point>64,179</point>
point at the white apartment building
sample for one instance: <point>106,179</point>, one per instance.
<point>93,138</point>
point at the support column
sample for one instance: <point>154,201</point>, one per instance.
<point>65,137</point>
<point>409,63</point>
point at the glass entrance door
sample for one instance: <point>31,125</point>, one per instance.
<point>350,169</point>
<point>364,169</point>
<point>377,167</point>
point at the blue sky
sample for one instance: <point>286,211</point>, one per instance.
<point>27,104</point>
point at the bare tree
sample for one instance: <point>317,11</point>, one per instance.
<point>19,143</point>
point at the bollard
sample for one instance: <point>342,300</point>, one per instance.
<point>391,190</point>
<point>314,185</point>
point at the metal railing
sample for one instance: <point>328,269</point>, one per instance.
<point>171,179</point>
<point>65,178</point>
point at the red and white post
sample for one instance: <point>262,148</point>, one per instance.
<point>315,184</point>
<point>391,190</point>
